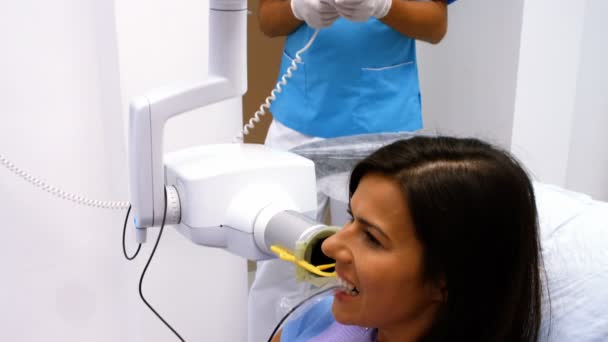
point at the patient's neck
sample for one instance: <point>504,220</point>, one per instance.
<point>414,330</point>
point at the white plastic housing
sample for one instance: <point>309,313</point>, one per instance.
<point>224,188</point>
<point>149,113</point>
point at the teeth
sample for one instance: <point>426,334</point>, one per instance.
<point>348,287</point>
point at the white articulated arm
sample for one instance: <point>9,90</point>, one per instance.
<point>149,113</point>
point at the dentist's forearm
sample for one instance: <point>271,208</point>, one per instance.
<point>421,20</point>
<point>276,18</point>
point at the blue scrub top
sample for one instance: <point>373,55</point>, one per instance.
<point>356,78</point>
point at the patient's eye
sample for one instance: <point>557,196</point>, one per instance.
<point>371,239</point>
<point>368,237</point>
<point>351,218</point>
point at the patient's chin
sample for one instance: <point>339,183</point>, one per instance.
<point>347,317</point>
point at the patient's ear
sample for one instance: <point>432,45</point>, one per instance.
<point>439,290</point>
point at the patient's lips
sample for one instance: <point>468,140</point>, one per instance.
<point>347,291</point>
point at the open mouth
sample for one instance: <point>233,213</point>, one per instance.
<point>347,287</point>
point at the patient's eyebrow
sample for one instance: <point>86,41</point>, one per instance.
<point>367,223</point>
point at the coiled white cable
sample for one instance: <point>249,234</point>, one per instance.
<point>278,88</point>
<point>60,193</point>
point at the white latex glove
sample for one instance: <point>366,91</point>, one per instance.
<point>316,13</point>
<point>362,10</point>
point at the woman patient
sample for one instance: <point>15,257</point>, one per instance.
<point>442,246</point>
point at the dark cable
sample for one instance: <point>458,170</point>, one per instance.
<point>276,328</point>
<point>141,279</point>
<point>124,230</point>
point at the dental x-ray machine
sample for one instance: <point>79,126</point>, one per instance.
<point>244,198</point>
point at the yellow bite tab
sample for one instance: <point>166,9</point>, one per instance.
<point>284,254</point>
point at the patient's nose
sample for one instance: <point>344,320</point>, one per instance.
<point>336,248</point>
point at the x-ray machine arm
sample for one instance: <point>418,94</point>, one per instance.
<point>244,198</point>
<point>149,113</point>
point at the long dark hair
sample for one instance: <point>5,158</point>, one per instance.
<point>474,212</point>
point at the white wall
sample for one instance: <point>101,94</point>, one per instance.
<point>468,80</point>
<point>63,276</point>
<point>64,103</point>
<point>588,157</point>
<point>562,110</point>
<point>546,87</point>
<point>530,76</point>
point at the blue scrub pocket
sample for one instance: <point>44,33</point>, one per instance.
<point>389,98</point>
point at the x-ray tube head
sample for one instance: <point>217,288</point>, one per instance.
<point>230,194</point>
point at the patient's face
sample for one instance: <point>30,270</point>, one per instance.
<point>378,253</point>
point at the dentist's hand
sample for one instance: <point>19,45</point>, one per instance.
<point>362,10</point>
<point>316,13</point>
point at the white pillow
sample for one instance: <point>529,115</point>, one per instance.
<point>574,239</point>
